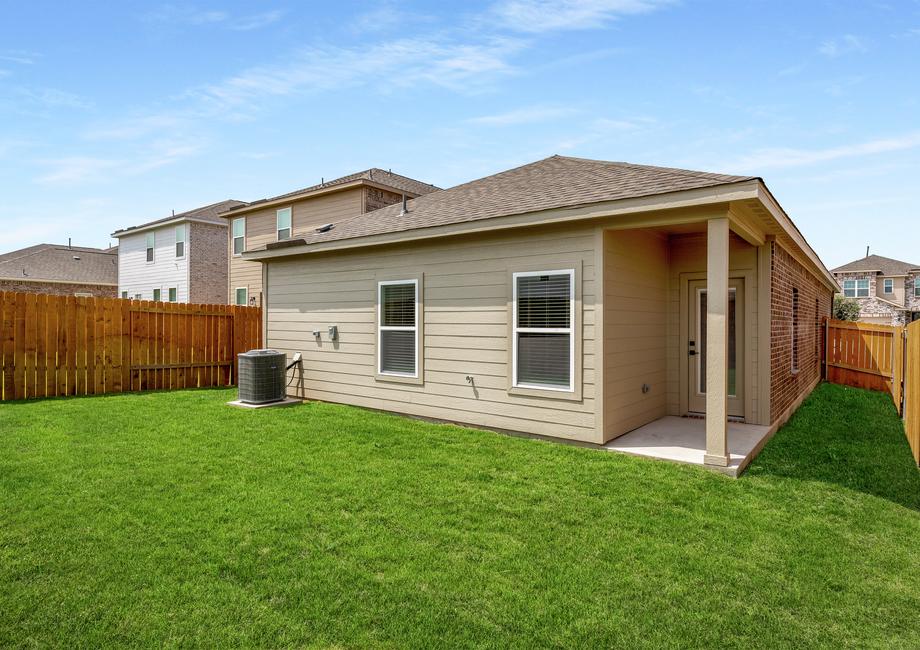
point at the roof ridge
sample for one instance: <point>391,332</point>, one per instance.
<point>693,173</point>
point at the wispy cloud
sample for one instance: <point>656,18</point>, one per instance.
<point>459,66</point>
<point>22,57</point>
<point>528,115</point>
<point>387,17</point>
<point>846,44</point>
<point>192,16</point>
<point>537,16</point>
<point>603,128</point>
<point>76,169</point>
<point>789,157</point>
<point>71,170</point>
<point>133,127</point>
<point>256,21</point>
<point>52,98</point>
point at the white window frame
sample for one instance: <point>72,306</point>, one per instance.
<point>849,291</point>
<point>859,289</point>
<point>172,291</point>
<point>396,328</point>
<point>236,296</point>
<point>234,237</point>
<point>888,286</point>
<point>917,287</point>
<point>180,231</point>
<point>158,295</point>
<point>124,295</point>
<point>570,330</point>
<point>290,226</point>
<point>150,244</point>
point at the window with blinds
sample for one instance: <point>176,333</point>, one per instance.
<point>544,341</point>
<point>150,243</point>
<point>180,241</point>
<point>397,331</point>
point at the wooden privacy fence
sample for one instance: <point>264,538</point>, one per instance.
<point>879,357</point>
<point>912,388</point>
<point>62,345</point>
<point>862,355</point>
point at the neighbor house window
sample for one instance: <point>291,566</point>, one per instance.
<point>180,241</point>
<point>173,294</point>
<point>917,287</point>
<point>856,288</point>
<point>239,235</point>
<point>283,220</point>
<point>795,330</point>
<point>156,295</point>
<point>397,328</point>
<point>544,341</point>
<point>242,296</point>
<point>124,294</point>
<point>888,285</point>
<point>151,241</point>
<point>137,296</point>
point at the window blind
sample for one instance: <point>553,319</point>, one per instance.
<point>543,330</point>
<point>398,328</point>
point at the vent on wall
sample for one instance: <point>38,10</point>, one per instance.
<point>261,376</point>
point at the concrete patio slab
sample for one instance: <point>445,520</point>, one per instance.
<point>683,440</point>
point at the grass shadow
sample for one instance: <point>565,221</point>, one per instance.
<point>849,437</point>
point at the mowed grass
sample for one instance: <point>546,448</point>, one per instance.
<point>172,519</point>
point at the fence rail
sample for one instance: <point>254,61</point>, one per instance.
<point>879,357</point>
<point>63,345</point>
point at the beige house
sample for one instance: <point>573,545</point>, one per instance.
<point>599,302</point>
<point>295,214</point>
<point>887,290</point>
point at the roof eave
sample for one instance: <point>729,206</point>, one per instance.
<point>268,203</point>
<point>153,225</point>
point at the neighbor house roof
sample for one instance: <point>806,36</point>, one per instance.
<point>375,175</point>
<point>207,213</point>
<point>553,182</point>
<point>877,264</point>
<point>61,263</point>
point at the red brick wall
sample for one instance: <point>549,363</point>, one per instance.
<point>815,301</point>
<point>58,289</point>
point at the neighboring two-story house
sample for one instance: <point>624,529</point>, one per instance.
<point>180,258</point>
<point>292,215</point>
<point>888,291</point>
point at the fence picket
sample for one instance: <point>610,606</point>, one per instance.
<point>63,345</point>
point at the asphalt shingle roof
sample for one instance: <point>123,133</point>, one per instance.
<point>204,213</point>
<point>398,182</point>
<point>885,265</point>
<point>554,182</point>
<point>59,262</point>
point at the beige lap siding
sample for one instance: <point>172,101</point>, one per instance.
<point>635,321</point>
<point>466,296</point>
<point>786,385</point>
<point>306,215</point>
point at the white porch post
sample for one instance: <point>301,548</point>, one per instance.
<point>717,343</point>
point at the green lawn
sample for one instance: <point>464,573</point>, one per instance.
<point>172,519</point>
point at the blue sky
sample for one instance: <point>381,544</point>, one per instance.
<point>112,114</point>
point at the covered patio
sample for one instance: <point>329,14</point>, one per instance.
<point>683,440</point>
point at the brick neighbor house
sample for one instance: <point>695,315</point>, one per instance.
<point>663,312</point>
<point>60,269</point>
<point>180,258</point>
<point>888,291</point>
